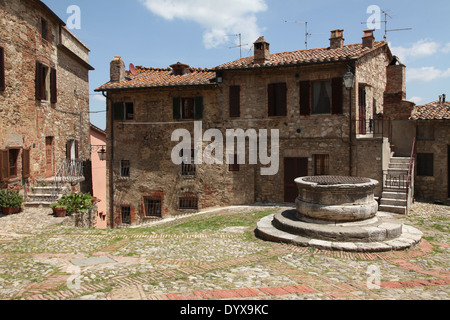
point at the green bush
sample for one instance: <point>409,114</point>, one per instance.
<point>75,203</point>
<point>10,199</point>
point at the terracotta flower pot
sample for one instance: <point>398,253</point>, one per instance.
<point>8,211</point>
<point>60,212</point>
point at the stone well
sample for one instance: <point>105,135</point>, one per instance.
<point>338,213</point>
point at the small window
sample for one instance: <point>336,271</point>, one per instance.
<point>188,168</point>
<point>321,164</point>
<point>425,132</point>
<point>321,97</point>
<point>123,111</point>
<point>235,101</point>
<point>152,207</point>
<point>13,157</point>
<point>125,212</point>
<point>188,203</point>
<point>425,164</point>
<point>188,108</point>
<point>125,168</point>
<point>234,163</point>
<point>44,29</point>
<point>129,111</point>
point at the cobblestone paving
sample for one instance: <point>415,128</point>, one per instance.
<point>40,259</point>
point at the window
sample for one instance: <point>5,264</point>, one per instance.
<point>188,167</point>
<point>125,168</point>
<point>44,29</point>
<point>277,99</point>
<point>152,207</point>
<point>123,111</point>
<point>425,164</point>
<point>45,83</point>
<point>321,97</point>
<point>188,108</point>
<point>234,163</point>
<point>72,150</point>
<point>9,164</point>
<point>2,69</point>
<point>425,132</point>
<point>125,213</point>
<point>321,164</point>
<point>235,101</point>
<point>188,203</point>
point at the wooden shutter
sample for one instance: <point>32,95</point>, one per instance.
<point>198,108</point>
<point>53,87</point>
<point>305,98</point>
<point>271,100</point>
<point>337,96</point>
<point>177,108</point>
<point>77,149</point>
<point>235,101</point>
<point>39,81</point>
<point>2,69</point>
<point>281,99</point>
<point>26,163</point>
<point>4,165</point>
<point>118,110</point>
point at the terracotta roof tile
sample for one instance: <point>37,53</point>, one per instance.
<point>320,55</point>
<point>154,77</point>
<point>432,111</point>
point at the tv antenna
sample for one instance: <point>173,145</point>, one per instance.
<point>386,16</point>
<point>307,34</point>
<point>240,43</point>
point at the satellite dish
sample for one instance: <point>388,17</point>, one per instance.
<point>133,69</point>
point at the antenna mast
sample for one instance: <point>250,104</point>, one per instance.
<point>307,34</point>
<point>240,43</point>
<point>386,15</point>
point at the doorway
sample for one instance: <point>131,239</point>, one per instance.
<point>49,157</point>
<point>293,168</point>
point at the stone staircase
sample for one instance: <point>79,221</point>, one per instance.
<point>395,192</point>
<point>45,192</point>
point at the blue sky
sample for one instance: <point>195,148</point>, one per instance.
<point>158,33</point>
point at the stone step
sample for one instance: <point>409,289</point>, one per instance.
<point>400,160</point>
<point>393,189</point>
<point>401,166</point>
<point>47,190</point>
<point>393,209</point>
<point>393,202</point>
<point>393,195</point>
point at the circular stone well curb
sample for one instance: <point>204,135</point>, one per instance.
<point>408,238</point>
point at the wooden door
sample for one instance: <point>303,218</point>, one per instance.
<point>293,168</point>
<point>49,156</point>
<point>362,110</point>
<point>448,171</point>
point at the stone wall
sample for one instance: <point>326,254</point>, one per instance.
<point>435,187</point>
<point>21,115</point>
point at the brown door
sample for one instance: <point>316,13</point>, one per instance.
<point>49,156</point>
<point>362,110</point>
<point>293,168</point>
<point>448,171</point>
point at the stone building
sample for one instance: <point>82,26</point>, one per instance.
<point>323,127</point>
<point>44,95</point>
<point>432,128</point>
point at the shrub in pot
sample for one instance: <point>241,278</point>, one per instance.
<point>10,201</point>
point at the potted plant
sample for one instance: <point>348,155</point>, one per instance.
<point>10,201</point>
<point>77,203</point>
<point>59,209</point>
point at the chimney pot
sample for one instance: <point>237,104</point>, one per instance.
<point>368,40</point>
<point>443,98</point>
<point>337,39</point>
<point>262,51</point>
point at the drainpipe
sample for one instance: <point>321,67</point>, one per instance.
<point>111,175</point>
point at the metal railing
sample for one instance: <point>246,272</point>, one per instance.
<point>373,127</point>
<point>69,171</point>
<point>410,178</point>
<point>395,180</point>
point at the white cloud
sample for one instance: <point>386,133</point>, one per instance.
<point>426,74</point>
<point>446,49</point>
<point>420,49</point>
<point>218,17</point>
<point>417,100</point>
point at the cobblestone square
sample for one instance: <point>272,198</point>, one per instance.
<point>212,256</point>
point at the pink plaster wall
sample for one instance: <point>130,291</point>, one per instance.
<point>98,138</point>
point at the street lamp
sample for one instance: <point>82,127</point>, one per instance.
<point>102,154</point>
<point>349,83</point>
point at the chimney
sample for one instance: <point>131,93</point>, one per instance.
<point>337,39</point>
<point>368,39</point>
<point>117,70</point>
<point>262,51</point>
<point>443,98</point>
